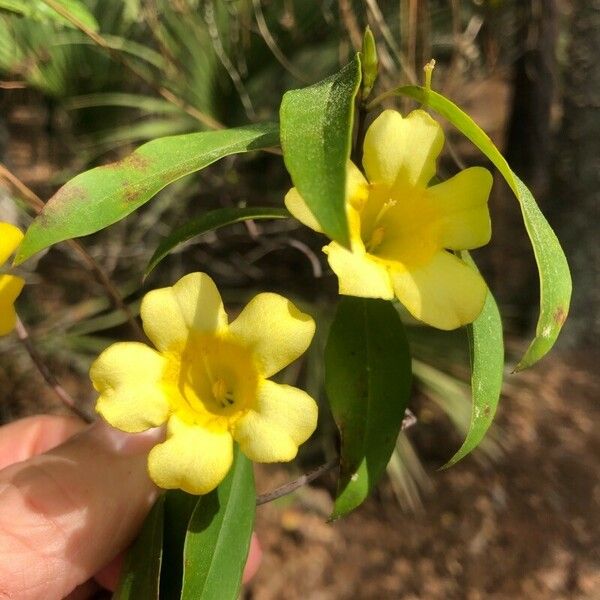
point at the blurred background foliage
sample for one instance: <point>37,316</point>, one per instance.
<point>79,94</point>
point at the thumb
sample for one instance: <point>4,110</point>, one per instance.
<point>66,513</point>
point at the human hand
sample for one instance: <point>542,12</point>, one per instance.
<point>72,498</point>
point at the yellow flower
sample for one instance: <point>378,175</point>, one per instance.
<point>402,230</point>
<point>209,381</point>
<point>10,285</point>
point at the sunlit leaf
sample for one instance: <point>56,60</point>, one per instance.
<point>316,131</point>
<point>555,278</point>
<point>210,221</point>
<point>17,6</point>
<point>218,537</point>
<point>76,8</point>
<point>41,11</point>
<point>140,575</point>
<point>367,379</point>
<point>104,195</point>
<point>487,369</point>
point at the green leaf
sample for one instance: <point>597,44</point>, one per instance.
<point>487,369</point>
<point>76,8</point>
<point>555,278</point>
<point>40,11</point>
<point>218,538</point>
<point>102,196</point>
<point>18,6</point>
<point>316,132</point>
<point>140,576</point>
<point>179,507</point>
<point>367,379</point>
<point>208,222</point>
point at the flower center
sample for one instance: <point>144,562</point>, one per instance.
<point>222,394</point>
<point>399,231</point>
<point>217,379</point>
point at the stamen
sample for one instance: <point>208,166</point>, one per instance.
<point>376,239</point>
<point>379,232</point>
<point>386,206</point>
<point>219,390</point>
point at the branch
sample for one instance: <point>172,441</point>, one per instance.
<point>47,374</point>
<point>408,421</point>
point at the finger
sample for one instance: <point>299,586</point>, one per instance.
<point>33,435</point>
<point>254,558</point>
<point>67,513</point>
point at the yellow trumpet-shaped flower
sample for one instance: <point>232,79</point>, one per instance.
<point>402,231</point>
<point>208,380</point>
<point>10,285</point>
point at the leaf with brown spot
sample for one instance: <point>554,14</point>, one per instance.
<point>555,277</point>
<point>102,196</point>
<point>487,370</point>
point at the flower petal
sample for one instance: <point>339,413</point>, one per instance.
<point>193,303</point>
<point>401,152</point>
<point>357,191</point>
<point>128,375</point>
<point>289,408</point>
<point>193,458</point>
<point>446,293</point>
<point>10,238</point>
<point>275,330</point>
<point>10,288</point>
<point>284,418</point>
<point>358,274</point>
<point>461,203</point>
<point>261,441</point>
<point>294,202</point>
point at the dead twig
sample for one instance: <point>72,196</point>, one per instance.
<point>272,44</point>
<point>408,421</point>
<point>47,374</point>
<point>292,486</point>
<point>12,85</point>
<point>167,94</point>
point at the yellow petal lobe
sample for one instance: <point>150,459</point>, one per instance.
<point>290,409</point>
<point>461,206</point>
<point>192,304</point>
<point>193,459</point>
<point>10,238</point>
<point>128,377</point>
<point>295,203</point>
<point>358,274</point>
<point>445,293</point>
<point>10,288</point>
<point>401,152</point>
<point>274,330</point>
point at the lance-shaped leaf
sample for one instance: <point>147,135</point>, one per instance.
<point>487,368</point>
<point>210,221</point>
<point>555,278</point>
<point>179,508</point>
<point>218,537</point>
<point>102,196</point>
<point>140,576</point>
<point>367,379</point>
<point>42,11</point>
<point>316,132</point>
